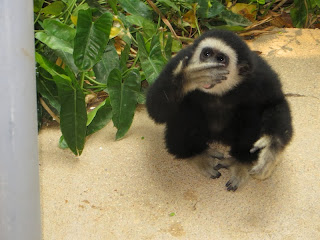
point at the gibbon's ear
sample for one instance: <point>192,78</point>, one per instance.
<point>244,69</point>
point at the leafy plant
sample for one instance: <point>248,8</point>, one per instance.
<point>96,58</point>
<point>304,13</point>
<point>76,59</point>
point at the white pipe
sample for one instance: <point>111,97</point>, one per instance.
<point>19,169</point>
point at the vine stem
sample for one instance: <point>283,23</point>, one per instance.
<point>38,16</point>
<point>94,81</point>
<point>69,10</point>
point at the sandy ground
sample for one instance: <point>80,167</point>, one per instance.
<point>133,189</point>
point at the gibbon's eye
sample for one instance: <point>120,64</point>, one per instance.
<point>221,58</point>
<point>206,53</point>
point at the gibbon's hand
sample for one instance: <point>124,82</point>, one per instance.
<point>204,75</point>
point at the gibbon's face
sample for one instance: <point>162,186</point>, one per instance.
<point>215,52</point>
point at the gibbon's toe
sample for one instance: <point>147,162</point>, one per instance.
<point>233,184</point>
<point>215,174</point>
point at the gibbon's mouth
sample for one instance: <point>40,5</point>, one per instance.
<point>208,86</point>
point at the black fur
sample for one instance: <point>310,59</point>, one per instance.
<point>238,118</point>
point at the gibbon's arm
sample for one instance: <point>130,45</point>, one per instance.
<point>276,129</point>
<point>177,79</point>
<point>164,95</point>
<point>276,134</point>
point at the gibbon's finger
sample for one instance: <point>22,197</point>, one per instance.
<point>254,149</point>
<point>208,72</point>
<point>213,73</point>
<point>261,143</point>
<point>180,66</point>
<point>219,166</point>
<point>204,66</point>
<point>207,78</point>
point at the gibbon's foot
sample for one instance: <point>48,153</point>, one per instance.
<point>206,164</point>
<point>219,166</point>
<point>225,163</point>
<point>209,168</point>
<point>232,184</point>
<point>239,176</point>
<point>216,154</point>
<point>215,174</point>
<point>239,172</point>
<point>219,150</point>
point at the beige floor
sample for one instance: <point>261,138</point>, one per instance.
<point>132,189</point>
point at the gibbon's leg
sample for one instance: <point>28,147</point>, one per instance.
<point>186,133</point>
<point>239,172</point>
<point>276,134</point>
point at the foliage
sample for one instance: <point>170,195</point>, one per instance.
<point>305,13</point>
<point>115,48</point>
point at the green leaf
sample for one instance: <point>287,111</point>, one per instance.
<point>62,143</point>
<point>172,214</point>
<point>123,98</point>
<point>53,42</point>
<point>234,19</point>
<point>37,5</point>
<point>54,8</point>
<point>57,35</point>
<point>67,59</point>
<point>136,7</point>
<point>299,14</point>
<point>91,38</point>
<point>100,116</point>
<point>149,28</point>
<point>141,98</point>
<point>262,2</point>
<point>92,114</point>
<point>209,9</point>
<point>53,70</point>
<point>124,57</point>
<point>108,62</point>
<point>73,116</point>
<point>170,4</point>
<point>113,5</point>
<point>176,45</point>
<point>96,6</point>
<point>151,62</point>
<point>59,29</point>
<point>48,90</point>
<point>317,2</point>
